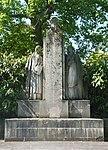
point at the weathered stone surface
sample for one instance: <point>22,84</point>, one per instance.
<point>53,87</point>
<point>79,108</point>
<point>28,108</point>
<point>56,129</point>
<point>39,108</point>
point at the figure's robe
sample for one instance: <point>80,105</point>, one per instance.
<point>74,81</point>
<point>34,77</point>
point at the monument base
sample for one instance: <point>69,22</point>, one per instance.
<point>56,129</point>
<point>79,108</point>
<point>40,109</point>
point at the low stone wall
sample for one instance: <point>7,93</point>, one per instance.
<point>1,129</point>
<point>106,129</point>
<point>56,129</point>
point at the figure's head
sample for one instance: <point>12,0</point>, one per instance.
<point>38,49</point>
<point>70,50</point>
<point>54,20</point>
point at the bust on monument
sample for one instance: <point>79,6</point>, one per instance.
<point>74,79</point>
<point>34,67</point>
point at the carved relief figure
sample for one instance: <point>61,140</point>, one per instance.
<point>74,83</point>
<point>34,67</point>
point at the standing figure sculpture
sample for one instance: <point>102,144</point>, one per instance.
<point>34,67</point>
<point>74,81</point>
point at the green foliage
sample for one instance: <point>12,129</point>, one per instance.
<point>99,103</point>
<point>97,69</point>
<point>12,75</point>
<point>96,76</point>
<point>15,35</point>
<point>15,46</point>
<point>17,39</point>
<point>84,22</point>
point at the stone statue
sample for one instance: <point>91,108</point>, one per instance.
<point>74,83</point>
<point>54,24</point>
<point>34,67</point>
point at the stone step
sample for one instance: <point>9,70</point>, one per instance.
<point>56,129</point>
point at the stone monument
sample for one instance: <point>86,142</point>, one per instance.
<point>54,108</point>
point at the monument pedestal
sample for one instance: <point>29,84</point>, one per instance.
<point>40,109</point>
<point>56,129</point>
<point>38,128</point>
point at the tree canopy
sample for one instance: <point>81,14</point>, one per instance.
<point>83,23</point>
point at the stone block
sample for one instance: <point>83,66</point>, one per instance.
<point>56,129</point>
<point>39,108</point>
<point>28,108</point>
<point>79,108</point>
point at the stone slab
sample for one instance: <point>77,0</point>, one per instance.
<point>40,108</point>
<point>79,108</point>
<point>28,108</point>
<point>56,129</point>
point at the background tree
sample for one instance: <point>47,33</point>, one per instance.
<point>96,75</point>
<point>15,45</point>
<point>84,24</point>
